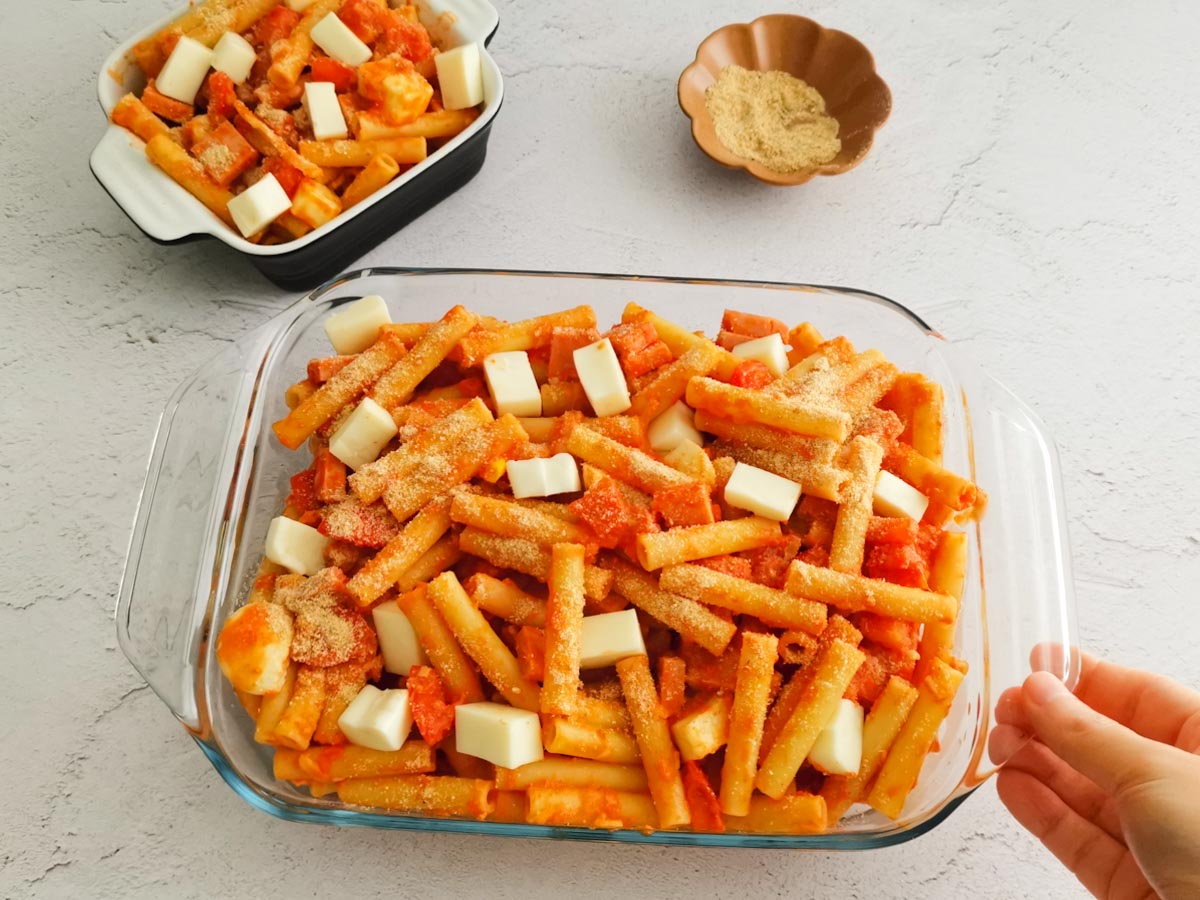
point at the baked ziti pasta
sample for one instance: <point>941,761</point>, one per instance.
<point>727,602</point>
<point>278,115</point>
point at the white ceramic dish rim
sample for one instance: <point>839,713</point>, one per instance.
<point>166,212</point>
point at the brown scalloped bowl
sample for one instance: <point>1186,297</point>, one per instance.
<point>833,62</point>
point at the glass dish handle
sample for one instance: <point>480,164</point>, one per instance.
<point>1027,608</point>
<point>168,580</point>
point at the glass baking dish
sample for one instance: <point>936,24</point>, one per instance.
<point>217,476</point>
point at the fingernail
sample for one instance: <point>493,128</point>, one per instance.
<point>1042,687</point>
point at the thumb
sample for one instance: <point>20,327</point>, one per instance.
<point>1108,753</point>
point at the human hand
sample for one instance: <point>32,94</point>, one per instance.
<point>1110,781</point>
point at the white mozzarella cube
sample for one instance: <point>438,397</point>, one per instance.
<point>561,474</point>
<point>838,749</point>
<point>398,642</point>
<point>609,638</point>
<point>763,493</point>
<point>503,735</point>
<point>363,435</point>
<point>897,498</point>
<point>690,459</point>
<point>234,55</point>
<point>767,350</point>
<point>356,327</point>
<point>299,5</point>
<point>512,384</point>
<point>184,70</point>
<point>543,477</point>
<point>333,36</point>
<point>603,381</point>
<point>324,111</point>
<point>297,547</point>
<point>460,77</point>
<point>671,428</point>
<point>259,205</point>
<point>378,720</point>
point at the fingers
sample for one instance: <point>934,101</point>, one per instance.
<point>1109,754</point>
<point>1080,794</point>
<point>1096,858</point>
<point>1152,705</point>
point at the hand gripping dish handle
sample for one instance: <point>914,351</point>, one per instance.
<point>171,570</point>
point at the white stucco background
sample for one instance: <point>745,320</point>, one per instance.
<point>1034,196</point>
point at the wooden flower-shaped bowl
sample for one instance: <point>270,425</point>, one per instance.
<point>833,62</point>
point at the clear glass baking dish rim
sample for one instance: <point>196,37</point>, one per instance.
<point>261,344</point>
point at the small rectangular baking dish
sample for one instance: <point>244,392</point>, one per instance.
<point>168,214</point>
<point>217,476</point>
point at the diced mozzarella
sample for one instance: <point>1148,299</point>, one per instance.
<point>234,55</point>
<point>561,472</point>
<point>324,111</point>
<point>838,750</point>
<point>603,381</point>
<point>513,385</point>
<point>460,77</point>
<point>543,477</point>
<point>184,70</point>
<point>896,498</point>
<point>378,720</point>
<point>299,5</point>
<point>333,36</point>
<point>610,637</point>
<point>365,432</point>
<point>673,427</point>
<point>297,547</point>
<point>398,642</point>
<point>259,205</point>
<point>704,730</point>
<point>253,647</point>
<point>767,350</point>
<point>690,459</point>
<point>763,493</point>
<point>503,735</point>
<point>356,327</point>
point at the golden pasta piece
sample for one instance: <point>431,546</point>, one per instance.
<point>589,807</point>
<point>438,642</point>
<point>562,770</point>
<point>481,643</point>
<point>883,723</point>
<point>529,558</point>
<point>564,630</point>
<point>387,566</point>
<point>822,420</point>
<point>589,741</point>
<point>756,664</point>
<point>863,458</point>
<point>444,794</point>
<point>506,601</point>
<point>774,607</point>
<point>294,429</point>
<point>626,464</point>
<point>854,593</point>
<point>524,335</point>
<point>350,761</point>
<point>816,707</point>
<point>693,620</point>
<point>679,545</point>
<point>659,756</point>
<point>898,776</point>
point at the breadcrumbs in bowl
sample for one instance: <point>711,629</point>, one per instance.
<point>833,63</point>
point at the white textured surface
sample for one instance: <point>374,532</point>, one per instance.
<point>1034,196</point>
